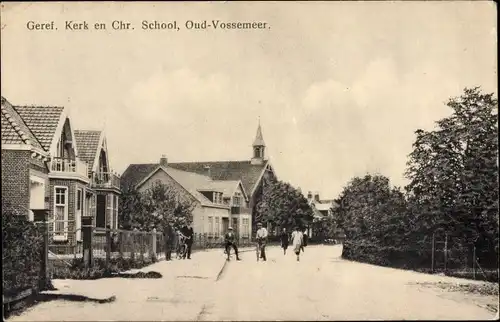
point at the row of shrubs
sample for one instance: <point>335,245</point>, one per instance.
<point>22,249</point>
<point>416,257</point>
<point>99,268</point>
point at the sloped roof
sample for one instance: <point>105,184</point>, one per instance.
<point>135,173</point>
<point>14,129</point>
<point>248,173</point>
<point>87,143</point>
<point>323,206</point>
<point>228,188</point>
<point>42,121</point>
<point>259,140</point>
<point>188,180</point>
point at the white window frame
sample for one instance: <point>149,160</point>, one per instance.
<point>210,225</point>
<point>115,212</point>
<point>78,221</point>
<point>57,235</point>
<point>109,211</point>
<point>217,226</point>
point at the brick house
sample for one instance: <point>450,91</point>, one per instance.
<point>103,194</point>
<point>253,175</point>
<point>210,209</point>
<point>67,174</point>
<point>25,167</point>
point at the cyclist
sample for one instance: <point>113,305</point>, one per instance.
<point>181,245</point>
<point>229,240</point>
<point>261,238</point>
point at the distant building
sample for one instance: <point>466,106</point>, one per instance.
<point>214,201</point>
<point>253,175</point>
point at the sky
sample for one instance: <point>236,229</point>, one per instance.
<point>339,87</point>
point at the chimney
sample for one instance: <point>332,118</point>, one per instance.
<point>309,196</point>
<point>316,197</point>
<point>163,160</point>
<point>207,171</point>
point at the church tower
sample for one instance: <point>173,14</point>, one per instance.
<point>258,148</point>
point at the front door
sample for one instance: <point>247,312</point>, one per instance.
<point>236,228</point>
<point>101,211</point>
<point>225,225</point>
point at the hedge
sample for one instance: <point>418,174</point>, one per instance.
<point>21,255</point>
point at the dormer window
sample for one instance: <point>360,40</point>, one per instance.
<point>236,201</point>
<point>217,197</point>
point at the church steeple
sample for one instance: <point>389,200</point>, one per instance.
<point>258,147</point>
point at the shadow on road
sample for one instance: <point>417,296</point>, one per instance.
<point>44,297</point>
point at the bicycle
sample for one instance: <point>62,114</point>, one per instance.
<point>259,249</point>
<point>181,253</point>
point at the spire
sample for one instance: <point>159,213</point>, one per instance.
<point>259,140</point>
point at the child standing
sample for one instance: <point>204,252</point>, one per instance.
<point>297,239</point>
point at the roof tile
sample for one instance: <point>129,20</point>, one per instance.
<point>87,143</point>
<point>42,121</point>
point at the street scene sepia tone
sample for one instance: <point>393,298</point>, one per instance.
<point>249,161</point>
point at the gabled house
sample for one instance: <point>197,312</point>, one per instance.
<point>234,196</point>
<point>25,165</point>
<point>210,210</point>
<point>253,175</point>
<point>68,175</point>
<point>103,194</point>
<point>321,209</point>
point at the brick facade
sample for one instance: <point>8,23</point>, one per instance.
<point>16,180</point>
<point>72,186</point>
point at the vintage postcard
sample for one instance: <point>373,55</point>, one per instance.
<point>249,161</point>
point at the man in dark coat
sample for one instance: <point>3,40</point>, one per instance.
<point>169,241</point>
<point>188,232</point>
<point>229,240</point>
<point>284,240</point>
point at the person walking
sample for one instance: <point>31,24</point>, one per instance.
<point>304,239</point>
<point>284,240</point>
<point>169,241</point>
<point>261,238</point>
<point>297,241</point>
<point>187,231</point>
<point>229,240</point>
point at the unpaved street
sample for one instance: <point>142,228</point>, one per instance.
<point>319,287</point>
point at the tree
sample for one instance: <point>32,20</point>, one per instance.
<point>284,206</point>
<point>370,209</point>
<point>155,208</point>
<point>453,171</point>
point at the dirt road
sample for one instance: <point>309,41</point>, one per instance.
<point>319,287</point>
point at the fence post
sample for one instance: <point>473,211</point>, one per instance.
<point>153,239</point>
<point>433,249</point>
<point>108,245</point>
<point>445,253</point>
<point>474,262</point>
<point>87,231</point>
<point>121,241</point>
<point>141,244</point>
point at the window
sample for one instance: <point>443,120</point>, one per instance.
<point>109,210</point>
<point>245,228</point>
<point>236,201</point>
<point>217,228</point>
<point>60,213</point>
<point>78,214</point>
<point>210,225</point>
